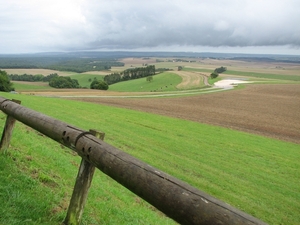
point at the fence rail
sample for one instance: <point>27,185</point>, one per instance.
<point>175,198</point>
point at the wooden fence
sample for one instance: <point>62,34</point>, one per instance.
<point>176,199</point>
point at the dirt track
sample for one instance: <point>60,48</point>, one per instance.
<point>269,110</point>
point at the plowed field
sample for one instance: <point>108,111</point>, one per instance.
<point>268,110</point>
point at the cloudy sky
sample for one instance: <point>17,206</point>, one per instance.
<point>244,26</point>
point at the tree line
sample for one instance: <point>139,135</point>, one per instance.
<point>32,78</point>
<point>84,65</point>
<point>63,82</point>
<point>53,79</point>
<point>78,65</point>
<point>130,74</point>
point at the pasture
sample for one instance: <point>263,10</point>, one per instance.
<point>241,146</point>
<point>162,82</point>
<point>255,174</point>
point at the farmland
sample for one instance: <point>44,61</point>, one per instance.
<point>253,109</point>
<point>239,145</point>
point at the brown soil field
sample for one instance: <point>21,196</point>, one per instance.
<point>268,110</point>
<point>282,68</point>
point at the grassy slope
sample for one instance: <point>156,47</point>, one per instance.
<point>191,69</point>
<point>162,82</point>
<point>30,87</point>
<point>166,81</point>
<point>83,78</point>
<point>250,74</point>
<point>258,175</point>
<point>264,75</point>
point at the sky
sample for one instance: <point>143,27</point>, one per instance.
<point>230,26</point>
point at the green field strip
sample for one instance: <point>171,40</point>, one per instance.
<point>264,75</point>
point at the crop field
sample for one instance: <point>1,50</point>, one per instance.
<point>208,64</point>
<point>240,145</point>
<point>44,72</point>
<point>268,110</point>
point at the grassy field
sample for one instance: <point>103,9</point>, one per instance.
<point>31,86</point>
<point>264,75</point>
<point>85,79</point>
<point>166,81</point>
<point>255,174</point>
<point>197,69</point>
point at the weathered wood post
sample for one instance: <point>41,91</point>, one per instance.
<point>81,188</point>
<point>8,129</point>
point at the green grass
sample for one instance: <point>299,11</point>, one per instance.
<point>197,69</point>
<point>83,79</point>
<point>264,75</point>
<point>30,87</point>
<point>166,81</point>
<point>212,81</point>
<point>255,174</point>
<point>250,74</point>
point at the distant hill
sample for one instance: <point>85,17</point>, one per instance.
<point>100,60</point>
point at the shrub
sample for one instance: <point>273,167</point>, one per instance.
<point>5,84</point>
<point>220,69</point>
<point>99,84</point>
<point>63,82</point>
<point>214,75</point>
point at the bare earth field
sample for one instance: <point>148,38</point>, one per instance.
<point>247,66</point>
<point>268,110</point>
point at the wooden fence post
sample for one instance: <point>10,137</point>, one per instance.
<point>8,129</point>
<point>81,188</point>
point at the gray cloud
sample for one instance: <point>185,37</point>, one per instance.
<point>32,25</point>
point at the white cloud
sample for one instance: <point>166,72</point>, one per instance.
<point>34,25</point>
<point>221,25</point>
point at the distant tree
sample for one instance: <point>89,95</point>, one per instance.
<point>149,78</point>
<point>179,68</point>
<point>214,75</point>
<point>50,77</point>
<point>38,77</point>
<point>5,84</point>
<point>63,82</point>
<point>99,84</point>
<point>130,74</point>
<point>220,69</point>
